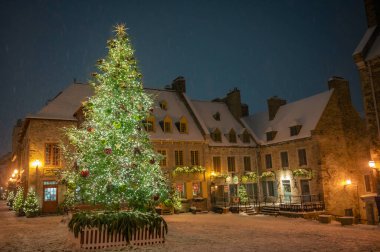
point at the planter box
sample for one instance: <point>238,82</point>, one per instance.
<point>92,238</point>
<point>346,220</point>
<point>324,218</point>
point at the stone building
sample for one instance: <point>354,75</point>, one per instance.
<point>367,59</point>
<point>314,149</point>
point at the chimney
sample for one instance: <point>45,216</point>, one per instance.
<point>274,103</point>
<point>233,102</point>
<point>341,86</point>
<point>372,9</point>
<point>179,84</point>
<point>244,110</point>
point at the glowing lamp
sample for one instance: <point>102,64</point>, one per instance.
<point>15,171</point>
<point>348,182</point>
<point>372,164</point>
<point>36,163</point>
<point>13,175</point>
<point>213,174</point>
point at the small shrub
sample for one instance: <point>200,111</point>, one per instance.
<point>31,207</point>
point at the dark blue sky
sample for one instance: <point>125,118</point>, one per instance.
<point>287,48</point>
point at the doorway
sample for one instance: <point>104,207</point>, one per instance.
<point>287,190</point>
<point>305,191</point>
<point>50,197</point>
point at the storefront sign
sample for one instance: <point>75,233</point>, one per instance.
<point>50,172</point>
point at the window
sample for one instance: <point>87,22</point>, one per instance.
<point>217,164</point>
<point>183,125</point>
<point>178,157</point>
<point>50,194</point>
<point>302,160</point>
<point>268,161</point>
<point>247,163</point>
<point>167,124</point>
<point>181,188</point>
<point>231,164</point>
<point>271,135</point>
<point>246,137</point>
<point>52,154</point>
<point>194,157</point>
<point>367,183</point>
<point>232,136</point>
<point>284,159</point>
<point>216,116</point>
<point>216,135</point>
<point>149,124</point>
<point>163,105</point>
<point>163,160</point>
<point>197,189</point>
<point>270,188</point>
<point>295,130</point>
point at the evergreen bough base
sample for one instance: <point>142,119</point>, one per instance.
<point>123,222</point>
<point>31,207</point>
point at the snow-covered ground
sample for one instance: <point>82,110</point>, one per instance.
<point>205,232</point>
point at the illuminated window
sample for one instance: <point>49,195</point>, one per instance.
<point>194,157</point>
<point>167,124</point>
<point>181,189</point>
<point>232,136</point>
<point>149,124</point>
<point>163,160</point>
<point>231,164</point>
<point>197,189</point>
<point>216,161</point>
<point>52,154</point>
<point>183,125</point>
<point>216,135</point>
<point>163,105</point>
<point>50,194</point>
<point>178,155</point>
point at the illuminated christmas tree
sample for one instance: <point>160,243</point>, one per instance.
<point>115,163</point>
<point>31,207</point>
<point>18,202</point>
<point>242,192</point>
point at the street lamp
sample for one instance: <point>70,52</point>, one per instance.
<point>36,163</point>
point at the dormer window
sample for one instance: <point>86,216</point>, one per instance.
<point>167,125</point>
<point>216,116</point>
<point>232,136</point>
<point>245,137</point>
<point>295,130</point>
<point>149,124</point>
<point>216,135</point>
<point>183,125</point>
<point>271,135</point>
<point>163,105</point>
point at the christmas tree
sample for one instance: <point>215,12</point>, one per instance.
<point>10,198</point>
<point>19,201</point>
<point>243,194</point>
<point>114,162</point>
<point>31,207</point>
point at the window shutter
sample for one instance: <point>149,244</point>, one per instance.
<point>189,190</point>
<point>204,189</point>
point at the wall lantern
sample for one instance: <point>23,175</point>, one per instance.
<point>36,163</point>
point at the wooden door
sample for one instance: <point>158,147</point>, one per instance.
<point>50,198</point>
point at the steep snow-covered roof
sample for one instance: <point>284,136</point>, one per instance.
<point>306,112</point>
<point>206,111</point>
<point>176,109</point>
<point>369,45</point>
<point>65,104</point>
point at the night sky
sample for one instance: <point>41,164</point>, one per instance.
<point>287,48</point>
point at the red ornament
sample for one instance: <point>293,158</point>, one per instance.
<point>84,173</point>
<point>156,197</point>
<point>108,151</point>
<point>90,129</point>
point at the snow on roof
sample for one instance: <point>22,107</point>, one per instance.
<point>364,41</point>
<point>305,112</point>
<point>176,109</point>
<point>65,104</point>
<point>206,111</point>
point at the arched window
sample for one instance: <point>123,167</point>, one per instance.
<point>232,136</point>
<point>183,125</point>
<point>216,135</point>
<point>246,137</point>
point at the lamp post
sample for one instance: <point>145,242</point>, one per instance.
<point>36,163</point>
